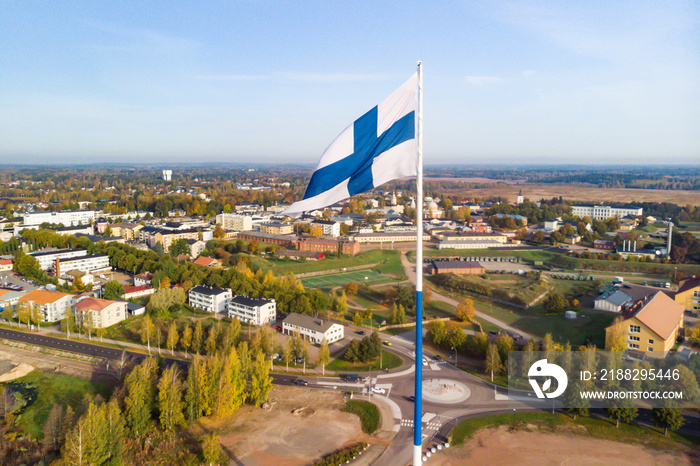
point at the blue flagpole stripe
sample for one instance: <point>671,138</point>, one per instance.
<point>367,146</point>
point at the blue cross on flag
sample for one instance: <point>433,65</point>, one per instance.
<point>378,147</point>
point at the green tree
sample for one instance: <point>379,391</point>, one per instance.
<point>352,354</point>
<point>24,312</point>
<point>261,382</point>
<point>170,403</point>
<point>436,333</point>
<point>211,450</point>
<point>113,290</point>
<point>230,392</point>
<point>178,247</point>
<point>138,401</point>
<point>147,331</point>
<point>555,302</point>
<point>324,355</point>
<point>8,313</point>
<point>622,410</point>
<point>667,417</point>
<point>210,344</point>
<point>577,405</point>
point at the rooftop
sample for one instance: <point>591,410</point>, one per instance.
<point>251,302</point>
<point>208,290</point>
<point>309,322</point>
<point>43,296</point>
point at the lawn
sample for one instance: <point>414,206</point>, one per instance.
<point>42,390</point>
<point>389,361</point>
<point>594,427</point>
<point>342,278</point>
<point>375,256</point>
<point>368,413</point>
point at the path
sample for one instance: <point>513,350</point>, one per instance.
<point>411,274</point>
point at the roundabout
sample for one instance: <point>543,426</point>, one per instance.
<point>445,391</point>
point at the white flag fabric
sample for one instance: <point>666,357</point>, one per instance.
<point>379,146</point>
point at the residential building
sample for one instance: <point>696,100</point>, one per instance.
<point>688,294</point>
<point>74,230</point>
<point>329,227</point>
<point>604,244</point>
<point>99,313</point>
<point>277,228</point>
<point>69,276</point>
<point>654,326</point>
<point>324,245</point>
<point>207,261</point>
<point>287,241</point>
<point>128,231</point>
<point>53,304</point>
<point>67,218</point>
<point>602,212</point>
<point>314,329</point>
<point>235,222</point>
<point>47,259</point>
<point>5,265</point>
<point>255,311</point>
<point>210,299</point>
<point>10,297</point>
<point>95,263</point>
<point>143,278</point>
<point>131,292</point>
<point>457,267</point>
<point>196,247</point>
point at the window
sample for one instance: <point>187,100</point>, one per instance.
<point>650,349</point>
<point>635,329</point>
<point>633,346</point>
<point>651,342</point>
<point>632,338</point>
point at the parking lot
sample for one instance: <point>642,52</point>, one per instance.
<point>9,277</point>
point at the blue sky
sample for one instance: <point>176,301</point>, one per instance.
<point>276,81</point>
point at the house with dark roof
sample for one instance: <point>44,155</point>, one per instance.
<point>314,329</point>
<point>255,311</point>
<point>457,267</point>
<point>208,298</point>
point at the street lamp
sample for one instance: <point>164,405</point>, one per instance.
<point>454,348</point>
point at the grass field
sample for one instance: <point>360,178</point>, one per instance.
<point>389,361</point>
<point>368,413</point>
<point>340,279</point>
<point>594,427</point>
<point>385,259</point>
<point>42,390</point>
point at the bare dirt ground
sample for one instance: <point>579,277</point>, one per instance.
<point>497,446</point>
<point>17,353</point>
<point>581,193</point>
<point>302,426</point>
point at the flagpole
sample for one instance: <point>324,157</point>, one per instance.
<point>418,407</point>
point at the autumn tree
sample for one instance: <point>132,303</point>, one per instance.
<point>465,310</point>
<point>324,355</point>
<point>173,337</point>
<point>170,403</point>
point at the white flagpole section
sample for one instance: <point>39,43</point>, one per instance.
<point>418,407</point>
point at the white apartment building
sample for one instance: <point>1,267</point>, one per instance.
<point>602,212</point>
<point>53,304</point>
<point>235,222</point>
<point>330,228</point>
<point>67,218</point>
<point>256,311</point>
<point>96,263</point>
<point>99,313</point>
<point>313,329</point>
<point>209,298</point>
<point>47,259</point>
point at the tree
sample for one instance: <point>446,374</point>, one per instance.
<point>352,354</point>
<point>219,231</point>
<point>437,332</point>
<point>324,355</point>
<point>186,340</point>
<point>24,312</point>
<point>172,337</point>
<point>493,360</point>
<point>577,405</point>
<point>52,427</point>
<point>139,400</point>
<point>113,290</point>
<point>178,247</point>
<point>350,288</point>
<point>261,382</point>
<point>667,417</point>
<point>623,410</point>
<point>504,343</point>
<point>78,283</point>
<point>197,337</point>
<point>170,403</point>
<point>616,337</point>
<point>211,450</point>
<point>555,302</point>
<point>8,313</point>
<point>465,310</point>
<point>210,344</point>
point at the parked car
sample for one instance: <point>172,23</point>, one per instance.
<point>360,332</point>
<point>351,378</point>
<point>278,328</point>
<point>299,360</point>
<point>379,390</point>
<point>301,382</point>
<point>411,398</point>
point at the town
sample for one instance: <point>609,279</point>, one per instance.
<point>180,298</point>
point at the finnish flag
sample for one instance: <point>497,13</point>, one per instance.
<point>378,147</point>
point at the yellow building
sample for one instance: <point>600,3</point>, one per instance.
<point>688,294</point>
<point>277,228</point>
<point>654,326</point>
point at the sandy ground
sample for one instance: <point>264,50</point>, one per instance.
<point>16,372</point>
<point>257,437</point>
<point>497,446</point>
<point>74,365</point>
